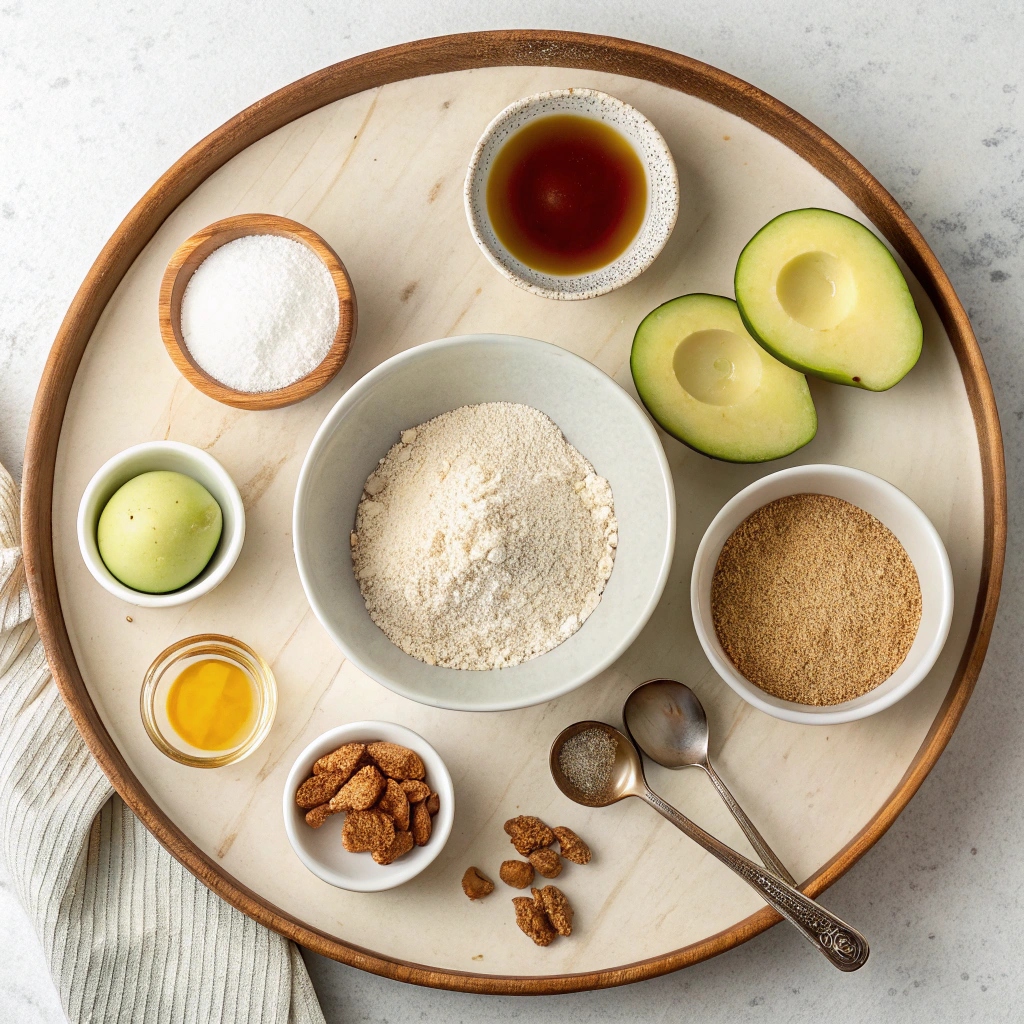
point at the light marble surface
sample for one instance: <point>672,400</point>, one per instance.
<point>927,100</point>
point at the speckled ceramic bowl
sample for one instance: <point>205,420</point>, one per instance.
<point>662,192</point>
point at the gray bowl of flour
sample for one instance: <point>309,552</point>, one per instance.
<point>353,476</point>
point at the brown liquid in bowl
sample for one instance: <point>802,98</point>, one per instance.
<point>566,194</point>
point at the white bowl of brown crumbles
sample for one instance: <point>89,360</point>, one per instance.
<point>368,806</point>
<point>822,594</point>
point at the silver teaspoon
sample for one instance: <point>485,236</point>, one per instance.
<point>667,722</point>
<point>596,765</point>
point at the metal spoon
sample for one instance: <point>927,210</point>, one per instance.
<point>601,776</point>
<point>667,722</point>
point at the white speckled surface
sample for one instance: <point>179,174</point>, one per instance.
<point>97,101</point>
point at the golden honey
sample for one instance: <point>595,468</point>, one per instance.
<point>211,705</point>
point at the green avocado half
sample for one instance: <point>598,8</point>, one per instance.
<point>709,384</point>
<point>823,294</point>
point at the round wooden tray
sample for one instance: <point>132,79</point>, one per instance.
<point>371,154</point>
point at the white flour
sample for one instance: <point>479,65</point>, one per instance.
<point>483,538</point>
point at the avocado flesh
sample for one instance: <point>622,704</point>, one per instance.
<point>823,294</point>
<point>705,380</point>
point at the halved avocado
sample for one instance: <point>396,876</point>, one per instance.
<point>823,294</point>
<point>706,381</point>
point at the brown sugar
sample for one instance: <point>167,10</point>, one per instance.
<point>814,600</point>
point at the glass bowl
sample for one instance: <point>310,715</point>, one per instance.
<point>175,659</point>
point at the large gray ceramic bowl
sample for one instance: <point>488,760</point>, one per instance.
<point>596,416</point>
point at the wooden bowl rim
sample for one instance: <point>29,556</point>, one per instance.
<point>442,54</point>
<point>207,240</point>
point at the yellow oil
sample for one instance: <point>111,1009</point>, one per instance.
<point>211,705</point>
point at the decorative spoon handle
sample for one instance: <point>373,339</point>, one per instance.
<point>764,851</point>
<point>844,947</point>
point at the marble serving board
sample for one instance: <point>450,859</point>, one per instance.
<point>379,175</point>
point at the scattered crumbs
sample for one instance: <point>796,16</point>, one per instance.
<point>128,618</point>
<point>479,956</point>
<point>726,138</point>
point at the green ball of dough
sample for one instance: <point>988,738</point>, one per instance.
<point>158,531</point>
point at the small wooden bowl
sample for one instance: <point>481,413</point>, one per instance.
<point>183,265</point>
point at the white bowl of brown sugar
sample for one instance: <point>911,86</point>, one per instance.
<point>821,594</point>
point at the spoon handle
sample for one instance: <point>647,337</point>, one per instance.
<point>844,947</point>
<point>764,851</point>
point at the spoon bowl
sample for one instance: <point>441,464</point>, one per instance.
<point>667,722</point>
<point>586,777</point>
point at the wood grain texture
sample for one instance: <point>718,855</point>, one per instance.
<point>443,55</point>
<point>184,263</point>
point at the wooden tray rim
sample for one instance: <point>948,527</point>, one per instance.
<point>533,48</point>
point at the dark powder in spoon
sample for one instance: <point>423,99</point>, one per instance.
<point>814,600</point>
<point>587,759</point>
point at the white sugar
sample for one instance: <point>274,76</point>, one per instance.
<point>260,312</point>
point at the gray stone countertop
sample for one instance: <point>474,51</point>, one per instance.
<point>98,99</point>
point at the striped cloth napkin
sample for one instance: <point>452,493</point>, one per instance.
<point>128,933</point>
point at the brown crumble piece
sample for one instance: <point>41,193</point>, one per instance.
<point>382,786</point>
<point>318,815</point>
<point>415,790</point>
<point>401,845</point>
<point>547,863</point>
<point>517,873</point>
<point>421,825</point>
<point>556,907</point>
<point>368,831</point>
<point>345,759</point>
<point>361,792</point>
<point>532,921</point>
<point>573,848</point>
<point>397,761</point>
<point>528,833</point>
<point>318,789</point>
<point>475,885</point>
<point>396,803</point>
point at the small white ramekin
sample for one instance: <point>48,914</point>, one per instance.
<point>320,848</point>
<point>662,192</point>
<point>179,458</point>
<point>914,531</point>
